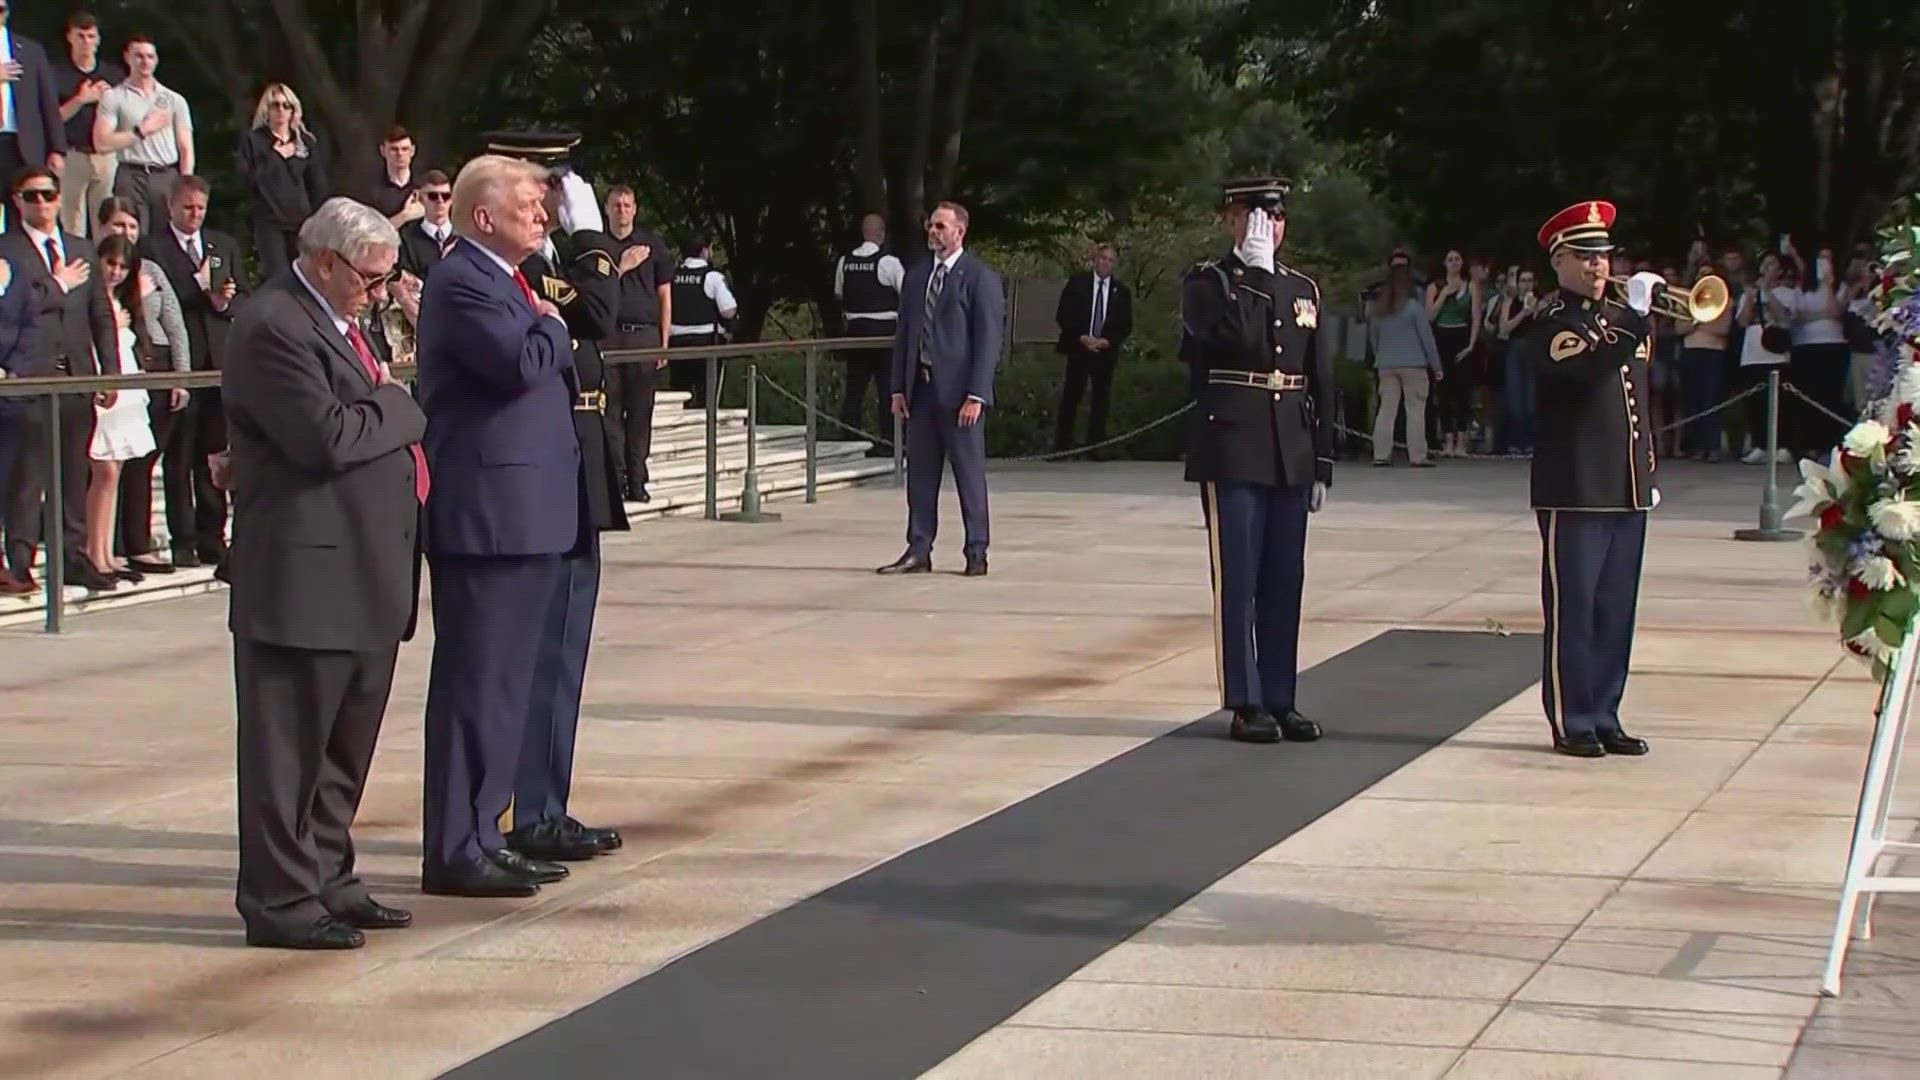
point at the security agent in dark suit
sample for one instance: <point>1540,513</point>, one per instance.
<point>205,269</point>
<point>19,347</point>
<point>577,273</point>
<point>1261,450</point>
<point>328,482</point>
<point>39,136</point>
<point>952,321</point>
<point>1095,316</point>
<point>74,326</point>
<point>1593,465</point>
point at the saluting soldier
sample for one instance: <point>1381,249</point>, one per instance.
<point>577,271</point>
<point>1593,482</point>
<point>1262,452</point>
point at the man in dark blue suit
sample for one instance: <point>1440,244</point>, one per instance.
<point>18,320</point>
<point>952,318</point>
<point>496,380</point>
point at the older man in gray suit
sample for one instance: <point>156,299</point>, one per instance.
<point>952,319</point>
<point>328,480</point>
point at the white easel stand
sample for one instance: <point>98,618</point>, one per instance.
<point>1870,843</point>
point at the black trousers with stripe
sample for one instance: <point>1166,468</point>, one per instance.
<point>1589,590</point>
<point>1258,533</point>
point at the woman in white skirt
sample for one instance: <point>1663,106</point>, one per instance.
<point>121,431</point>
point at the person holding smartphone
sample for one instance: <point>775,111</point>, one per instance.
<point>1818,361</point>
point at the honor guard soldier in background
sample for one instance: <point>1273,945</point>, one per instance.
<point>578,273</point>
<point>1262,452</point>
<point>1593,469</point>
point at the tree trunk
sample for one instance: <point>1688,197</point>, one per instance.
<point>972,31</point>
<point>870,169</point>
<point>912,205</point>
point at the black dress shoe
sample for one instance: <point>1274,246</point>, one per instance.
<point>482,878</point>
<point>1297,728</point>
<point>908,564</point>
<point>976,566</point>
<point>550,841</point>
<point>185,560</point>
<point>149,567</point>
<point>1254,726</point>
<point>1583,745</point>
<point>326,932</point>
<point>130,576</point>
<point>85,576</point>
<point>1619,742</point>
<point>214,554</point>
<point>371,914</point>
<point>537,871</point>
<point>608,839</point>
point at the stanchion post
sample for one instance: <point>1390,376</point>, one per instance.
<point>813,428</point>
<point>1770,526</point>
<point>713,438</point>
<point>55,531</point>
<point>750,512</point>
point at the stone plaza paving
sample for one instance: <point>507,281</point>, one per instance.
<point>766,718</point>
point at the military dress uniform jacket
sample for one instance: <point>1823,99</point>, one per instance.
<point>586,289</point>
<point>1594,449</point>
<point>1238,318</point>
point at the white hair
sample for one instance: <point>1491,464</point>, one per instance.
<point>483,181</point>
<point>351,228</point>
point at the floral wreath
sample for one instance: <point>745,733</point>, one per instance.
<point>1866,496</point>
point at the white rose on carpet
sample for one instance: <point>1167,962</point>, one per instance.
<point>1868,437</point>
<point>1896,519</point>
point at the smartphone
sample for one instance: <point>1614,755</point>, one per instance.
<point>1784,243</point>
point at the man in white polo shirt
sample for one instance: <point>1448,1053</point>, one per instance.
<point>151,129</point>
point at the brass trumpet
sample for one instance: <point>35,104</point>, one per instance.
<point>1703,303</point>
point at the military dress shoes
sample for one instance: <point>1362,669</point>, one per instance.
<point>326,932</point>
<point>1253,726</point>
<point>908,564</point>
<point>371,914</point>
<point>537,871</point>
<point>1619,742</point>
<point>608,839</point>
<point>1297,728</point>
<point>976,566</point>
<point>481,879</point>
<point>550,841</point>
<point>1583,744</point>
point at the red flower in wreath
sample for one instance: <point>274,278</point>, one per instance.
<point>1856,590</point>
<point>1902,416</point>
<point>1832,516</point>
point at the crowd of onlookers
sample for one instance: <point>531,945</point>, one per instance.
<point>1452,381</point>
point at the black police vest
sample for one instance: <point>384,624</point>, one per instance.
<point>691,304</point>
<point>861,292</point>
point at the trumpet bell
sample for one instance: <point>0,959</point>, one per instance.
<point>1704,302</point>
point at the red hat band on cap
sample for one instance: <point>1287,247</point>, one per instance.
<point>1584,227</point>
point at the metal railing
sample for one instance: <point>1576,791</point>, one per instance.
<point>49,389</point>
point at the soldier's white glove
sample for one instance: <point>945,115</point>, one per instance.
<point>1656,498</point>
<point>1257,248</point>
<point>1316,497</point>
<point>1640,290</point>
<point>578,210</point>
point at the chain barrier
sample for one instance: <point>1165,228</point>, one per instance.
<point>1054,456</point>
<point>1756,388</point>
<point>1803,396</point>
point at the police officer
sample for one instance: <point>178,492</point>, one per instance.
<point>866,281</point>
<point>1593,464</point>
<point>646,308</point>
<point>1262,452</point>
<point>702,306</point>
<point>577,271</point>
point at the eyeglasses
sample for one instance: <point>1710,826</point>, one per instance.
<point>436,196</point>
<point>370,279</point>
<point>280,105</point>
<point>38,194</point>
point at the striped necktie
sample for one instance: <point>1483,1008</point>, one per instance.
<point>933,297</point>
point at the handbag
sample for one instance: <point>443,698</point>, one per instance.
<point>1761,347</point>
<point>1860,335</point>
<point>1775,339</point>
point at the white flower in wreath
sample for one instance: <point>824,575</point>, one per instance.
<point>1871,645</point>
<point>1819,485</point>
<point>1878,573</point>
<point>1895,519</point>
<point>1868,439</point>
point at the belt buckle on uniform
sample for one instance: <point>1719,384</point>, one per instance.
<point>592,401</point>
<point>1278,380</point>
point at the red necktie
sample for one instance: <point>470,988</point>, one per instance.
<point>520,279</point>
<point>421,483</point>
